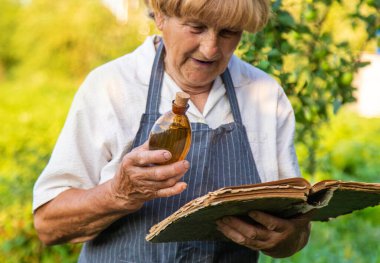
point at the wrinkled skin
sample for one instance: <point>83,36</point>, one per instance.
<point>273,236</point>
<point>139,180</point>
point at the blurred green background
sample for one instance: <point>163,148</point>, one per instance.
<point>48,47</point>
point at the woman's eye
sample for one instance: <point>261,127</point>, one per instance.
<point>197,28</point>
<point>229,33</point>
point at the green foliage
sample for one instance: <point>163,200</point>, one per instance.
<point>301,48</point>
<point>70,38</point>
<point>8,24</point>
<point>47,47</point>
<point>18,241</point>
<point>348,150</point>
<point>350,239</point>
<point>28,132</point>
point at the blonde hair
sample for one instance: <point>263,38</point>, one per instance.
<point>249,15</point>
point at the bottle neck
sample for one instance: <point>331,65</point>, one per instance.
<point>178,109</point>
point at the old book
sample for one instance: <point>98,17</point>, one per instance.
<point>283,198</point>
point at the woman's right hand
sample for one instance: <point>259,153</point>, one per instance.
<point>140,177</point>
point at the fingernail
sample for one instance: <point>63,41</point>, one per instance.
<point>226,220</point>
<point>167,155</point>
<point>219,225</point>
<point>186,164</point>
<point>253,214</point>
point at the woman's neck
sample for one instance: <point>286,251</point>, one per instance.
<point>199,100</point>
<point>196,91</point>
<point>198,95</point>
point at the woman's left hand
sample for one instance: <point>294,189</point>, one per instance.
<point>275,237</point>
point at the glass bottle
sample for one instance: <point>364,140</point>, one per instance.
<point>172,131</point>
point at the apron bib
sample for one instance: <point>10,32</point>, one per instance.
<point>218,157</point>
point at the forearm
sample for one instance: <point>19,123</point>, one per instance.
<point>78,215</point>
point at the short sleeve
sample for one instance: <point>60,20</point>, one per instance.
<point>286,155</point>
<point>81,149</point>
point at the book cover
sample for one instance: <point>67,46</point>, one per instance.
<point>283,198</point>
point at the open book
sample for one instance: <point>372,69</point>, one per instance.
<point>283,198</point>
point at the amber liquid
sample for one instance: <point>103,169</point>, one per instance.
<point>171,132</point>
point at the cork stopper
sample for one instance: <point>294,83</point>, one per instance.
<point>181,99</point>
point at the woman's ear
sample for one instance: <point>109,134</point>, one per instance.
<point>159,18</point>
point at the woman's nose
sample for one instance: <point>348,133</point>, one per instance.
<point>209,47</point>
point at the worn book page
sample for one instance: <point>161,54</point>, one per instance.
<point>284,198</point>
<point>201,213</point>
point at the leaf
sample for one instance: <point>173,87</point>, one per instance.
<point>263,64</point>
<point>337,104</point>
<point>286,19</point>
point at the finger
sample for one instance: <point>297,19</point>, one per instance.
<point>246,229</point>
<point>142,147</point>
<point>170,191</point>
<point>143,157</point>
<point>165,172</point>
<point>239,237</point>
<point>270,222</point>
<point>157,185</point>
<point>231,233</point>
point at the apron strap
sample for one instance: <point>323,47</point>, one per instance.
<point>155,83</point>
<point>231,94</point>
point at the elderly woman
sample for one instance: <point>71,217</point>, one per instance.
<point>104,187</point>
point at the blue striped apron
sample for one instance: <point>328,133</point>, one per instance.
<point>218,157</point>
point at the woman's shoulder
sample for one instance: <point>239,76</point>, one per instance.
<point>134,66</point>
<point>120,81</point>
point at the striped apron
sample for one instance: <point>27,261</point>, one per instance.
<point>218,157</point>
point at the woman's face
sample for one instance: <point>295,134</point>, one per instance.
<point>196,52</point>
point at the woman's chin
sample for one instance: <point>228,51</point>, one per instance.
<point>200,81</point>
<point>201,78</point>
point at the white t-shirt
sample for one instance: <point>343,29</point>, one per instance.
<point>106,111</point>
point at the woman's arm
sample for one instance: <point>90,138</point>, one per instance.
<point>78,215</point>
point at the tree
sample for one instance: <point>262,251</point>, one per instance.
<point>70,38</point>
<point>301,48</point>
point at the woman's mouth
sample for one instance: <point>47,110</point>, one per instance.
<point>203,62</point>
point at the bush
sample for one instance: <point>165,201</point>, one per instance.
<point>313,48</point>
<point>348,150</point>
<point>35,94</point>
<point>30,128</point>
<point>350,146</point>
<point>46,68</point>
